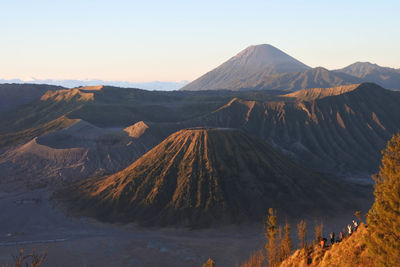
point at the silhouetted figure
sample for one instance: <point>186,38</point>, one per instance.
<point>349,229</point>
<point>355,223</point>
<point>322,242</point>
<point>332,236</point>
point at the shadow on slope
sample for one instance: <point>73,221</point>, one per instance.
<point>202,177</point>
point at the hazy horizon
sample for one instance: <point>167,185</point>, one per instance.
<point>71,83</point>
<point>139,42</point>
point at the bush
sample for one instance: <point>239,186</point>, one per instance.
<point>383,218</point>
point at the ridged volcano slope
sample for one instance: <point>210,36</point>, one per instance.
<point>293,81</point>
<point>331,133</point>
<point>198,177</point>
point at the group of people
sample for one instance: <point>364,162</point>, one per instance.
<point>350,230</point>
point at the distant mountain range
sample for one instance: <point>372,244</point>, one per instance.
<point>130,144</point>
<point>264,67</point>
<point>332,129</point>
<point>258,67</point>
<point>368,72</point>
<point>335,130</point>
<point>14,93</point>
<point>246,68</point>
<point>204,156</point>
<point>155,85</point>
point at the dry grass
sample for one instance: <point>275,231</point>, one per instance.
<point>30,260</point>
<point>351,252</point>
<point>257,259</point>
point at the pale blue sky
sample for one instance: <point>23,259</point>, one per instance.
<point>181,40</point>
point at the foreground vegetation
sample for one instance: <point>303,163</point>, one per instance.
<point>352,251</point>
<point>33,259</point>
<point>384,217</point>
<point>375,244</point>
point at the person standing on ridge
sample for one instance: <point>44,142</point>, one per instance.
<point>355,223</point>
<point>322,242</point>
<point>332,236</point>
<point>349,229</point>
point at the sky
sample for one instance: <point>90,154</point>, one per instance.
<point>173,40</point>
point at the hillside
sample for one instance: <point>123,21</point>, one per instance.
<point>15,95</point>
<point>293,81</point>
<point>368,72</point>
<point>318,93</point>
<point>50,107</point>
<point>257,60</point>
<point>264,67</point>
<point>351,252</point>
<point>361,69</point>
<point>341,133</point>
<point>111,127</point>
<point>110,107</point>
<point>71,150</point>
<point>198,177</point>
<point>337,130</point>
<point>375,244</point>
<point>15,138</point>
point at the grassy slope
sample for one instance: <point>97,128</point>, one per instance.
<point>351,252</point>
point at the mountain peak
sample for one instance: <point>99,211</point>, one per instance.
<point>260,56</point>
<point>261,48</point>
<point>361,69</point>
<point>254,61</point>
<point>370,72</point>
<point>364,63</point>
